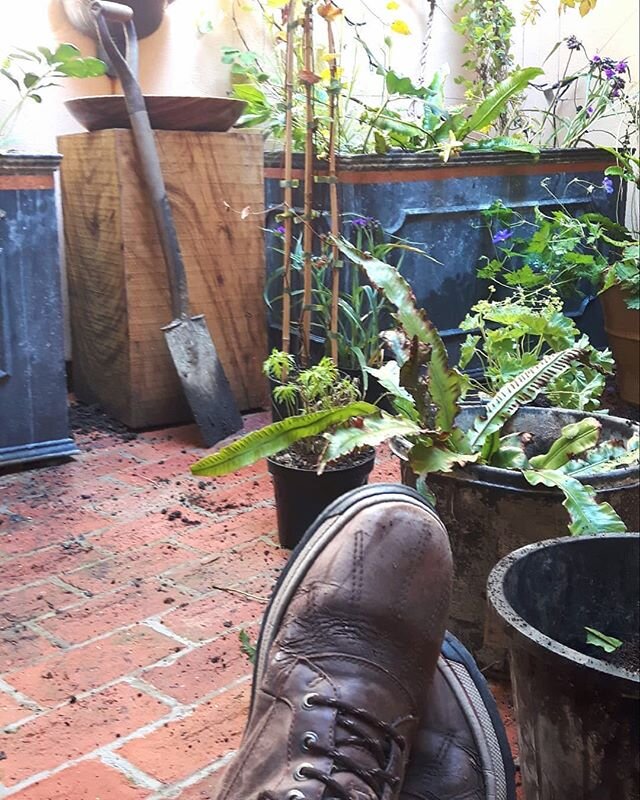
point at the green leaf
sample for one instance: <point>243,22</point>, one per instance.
<point>608,643</point>
<point>66,52</point>
<point>522,389</point>
<point>606,457</point>
<point>425,458</point>
<point>372,432</point>
<point>388,377</point>
<point>445,384</point>
<point>496,102</point>
<point>587,515</point>
<point>468,350</point>
<point>275,438</point>
<point>245,645</point>
<point>573,439</point>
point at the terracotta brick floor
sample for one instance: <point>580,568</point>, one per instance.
<point>124,584</point>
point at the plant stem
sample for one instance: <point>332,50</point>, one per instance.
<point>333,193</point>
<point>288,181</point>
<point>308,181</point>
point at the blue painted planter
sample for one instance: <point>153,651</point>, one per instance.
<point>418,197</point>
<point>33,395</point>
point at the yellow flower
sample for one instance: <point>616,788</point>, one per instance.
<point>393,6</point>
<point>401,27</point>
<point>277,3</point>
<point>326,74</point>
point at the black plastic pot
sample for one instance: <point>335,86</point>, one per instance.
<point>578,716</point>
<point>490,512</point>
<point>301,494</point>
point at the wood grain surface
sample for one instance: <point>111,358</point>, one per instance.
<point>119,295</point>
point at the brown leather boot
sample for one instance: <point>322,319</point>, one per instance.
<point>460,751</point>
<point>347,648</point>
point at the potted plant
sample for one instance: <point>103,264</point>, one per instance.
<point>33,392</point>
<point>500,472</point>
<point>423,152</point>
<point>572,253</point>
<point>293,448</point>
<point>569,609</point>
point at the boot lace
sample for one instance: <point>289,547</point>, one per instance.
<point>350,720</point>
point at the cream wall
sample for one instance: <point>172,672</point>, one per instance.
<point>176,59</point>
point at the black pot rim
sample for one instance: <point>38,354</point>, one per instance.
<point>271,462</point>
<point>499,477</point>
<point>526,636</point>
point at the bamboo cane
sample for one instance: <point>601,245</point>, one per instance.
<point>333,192</point>
<point>288,179</point>
<point>308,182</point>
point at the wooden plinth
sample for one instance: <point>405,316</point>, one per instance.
<point>118,287</point>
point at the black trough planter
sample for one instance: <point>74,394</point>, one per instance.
<point>420,198</point>
<point>301,494</point>
<point>489,512</point>
<point>578,716</point>
<point>33,393</point>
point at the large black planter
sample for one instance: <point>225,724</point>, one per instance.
<point>301,494</point>
<point>418,197</point>
<point>578,716</point>
<point>33,395</point>
<point>490,512</point>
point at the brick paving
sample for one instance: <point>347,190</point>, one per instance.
<point>124,584</point>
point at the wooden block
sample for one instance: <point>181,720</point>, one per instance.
<point>118,286</point>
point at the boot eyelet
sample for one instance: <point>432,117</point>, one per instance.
<point>294,794</point>
<point>298,775</point>
<point>308,739</point>
<point>306,700</point>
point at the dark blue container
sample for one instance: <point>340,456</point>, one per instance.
<point>33,395</point>
<point>422,199</point>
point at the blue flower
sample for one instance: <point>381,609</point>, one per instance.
<point>607,185</point>
<point>502,236</point>
<point>280,230</point>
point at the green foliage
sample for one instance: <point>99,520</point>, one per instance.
<point>33,71</point>
<point>486,26</point>
<point>426,400</point>
<point>607,643</point>
<point>586,513</point>
<point>275,438</point>
<point>512,335</point>
<point>246,646</point>
<point>562,251</point>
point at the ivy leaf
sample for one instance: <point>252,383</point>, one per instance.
<point>573,439</point>
<point>587,515</point>
<point>608,643</point>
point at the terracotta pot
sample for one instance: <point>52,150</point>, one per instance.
<point>622,325</point>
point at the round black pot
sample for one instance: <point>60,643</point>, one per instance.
<point>490,512</point>
<point>301,494</point>
<point>578,716</point>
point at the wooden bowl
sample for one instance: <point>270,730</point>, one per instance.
<point>166,113</point>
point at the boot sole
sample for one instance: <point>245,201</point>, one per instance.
<point>465,680</point>
<point>310,547</point>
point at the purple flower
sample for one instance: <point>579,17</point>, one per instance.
<point>280,229</point>
<point>573,43</point>
<point>622,66</point>
<point>596,60</point>
<point>363,222</point>
<point>609,73</point>
<point>589,110</point>
<point>502,236</point>
<point>607,185</point>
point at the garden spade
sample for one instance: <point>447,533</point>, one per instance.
<point>192,350</point>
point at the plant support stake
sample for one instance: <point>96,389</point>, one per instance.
<point>333,188</point>
<point>308,79</point>
<point>288,178</point>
